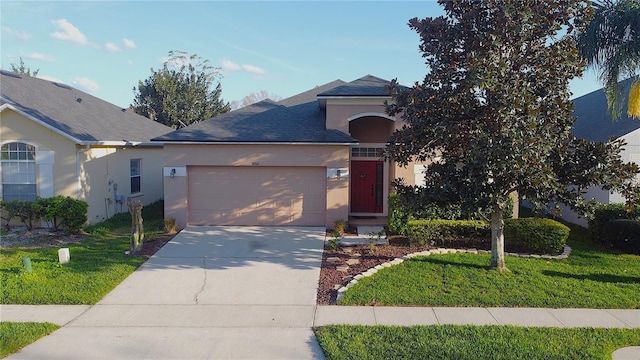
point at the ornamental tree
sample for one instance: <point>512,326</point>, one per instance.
<point>494,116</point>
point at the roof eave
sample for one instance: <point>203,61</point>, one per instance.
<point>183,142</point>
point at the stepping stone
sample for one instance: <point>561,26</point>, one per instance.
<point>343,268</point>
<point>353,261</point>
<point>356,255</point>
<point>332,260</point>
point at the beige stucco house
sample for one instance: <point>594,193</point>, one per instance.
<point>58,140</point>
<point>310,159</point>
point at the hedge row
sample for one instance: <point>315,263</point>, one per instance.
<point>606,234</point>
<point>404,207</point>
<point>542,236</point>
<point>59,211</point>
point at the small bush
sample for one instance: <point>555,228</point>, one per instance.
<point>605,213</point>
<point>622,234</point>
<point>541,236</point>
<point>334,241</point>
<point>170,226</point>
<point>438,232</point>
<point>340,226</point>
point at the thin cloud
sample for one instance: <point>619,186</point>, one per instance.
<point>228,65</point>
<point>253,69</point>
<point>272,59</point>
<point>41,57</point>
<point>68,32</point>
<point>86,84</point>
<point>129,43</point>
<point>20,35</point>
<point>111,47</point>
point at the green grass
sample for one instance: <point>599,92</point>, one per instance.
<point>15,336</point>
<point>97,264</point>
<point>471,342</point>
<point>589,278</point>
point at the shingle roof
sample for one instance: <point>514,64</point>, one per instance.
<point>368,85</point>
<point>81,116</point>
<point>297,119</point>
<point>594,123</point>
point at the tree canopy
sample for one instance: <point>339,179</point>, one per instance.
<point>611,44</point>
<point>186,90</point>
<point>493,115</point>
<point>21,69</point>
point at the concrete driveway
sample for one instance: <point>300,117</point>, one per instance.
<point>210,293</point>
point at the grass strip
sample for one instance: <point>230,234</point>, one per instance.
<point>471,342</point>
<point>14,336</point>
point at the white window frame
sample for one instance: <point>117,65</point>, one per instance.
<point>138,175</point>
<point>33,180</point>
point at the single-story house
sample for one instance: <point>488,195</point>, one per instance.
<point>594,123</point>
<point>310,159</point>
<point>58,140</point>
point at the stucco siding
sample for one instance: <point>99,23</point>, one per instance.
<point>106,179</point>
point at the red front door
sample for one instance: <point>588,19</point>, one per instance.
<point>366,186</point>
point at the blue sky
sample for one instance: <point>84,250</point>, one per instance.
<point>105,48</point>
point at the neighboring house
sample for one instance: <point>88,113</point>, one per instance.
<point>58,140</point>
<point>310,159</point>
<point>594,123</point>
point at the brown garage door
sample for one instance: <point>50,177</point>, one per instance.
<point>257,195</point>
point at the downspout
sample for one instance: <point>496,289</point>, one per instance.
<point>79,169</point>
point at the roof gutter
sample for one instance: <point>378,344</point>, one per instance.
<point>164,142</point>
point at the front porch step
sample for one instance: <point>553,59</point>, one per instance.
<point>365,232</point>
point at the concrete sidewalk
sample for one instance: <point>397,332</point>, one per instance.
<point>229,316</point>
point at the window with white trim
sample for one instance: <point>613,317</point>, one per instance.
<point>18,168</point>
<point>136,170</point>
<point>369,152</point>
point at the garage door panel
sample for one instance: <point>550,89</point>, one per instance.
<point>257,196</point>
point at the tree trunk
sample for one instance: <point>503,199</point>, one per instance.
<point>497,239</point>
<point>137,229</point>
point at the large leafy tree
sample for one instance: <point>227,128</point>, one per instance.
<point>186,90</point>
<point>494,115</point>
<point>611,44</point>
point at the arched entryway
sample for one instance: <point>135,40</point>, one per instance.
<point>369,179</point>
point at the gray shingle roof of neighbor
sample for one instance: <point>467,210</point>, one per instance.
<point>81,116</point>
<point>368,85</point>
<point>594,122</point>
<point>297,119</point>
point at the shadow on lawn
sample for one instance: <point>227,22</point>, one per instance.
<point>440,261</point>
<point>606,278</point>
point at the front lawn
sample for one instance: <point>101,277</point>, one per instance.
<point>471,342</point>
<point>97,265</point>
<point>589,278</point>
<point>15,336</point>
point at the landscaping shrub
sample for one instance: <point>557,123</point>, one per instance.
<point>622,234</point>
<point>439,232</point>
<point>28,212</point>
<point>541,236</point>
<point>605,213</point>
<point>61,211</point>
